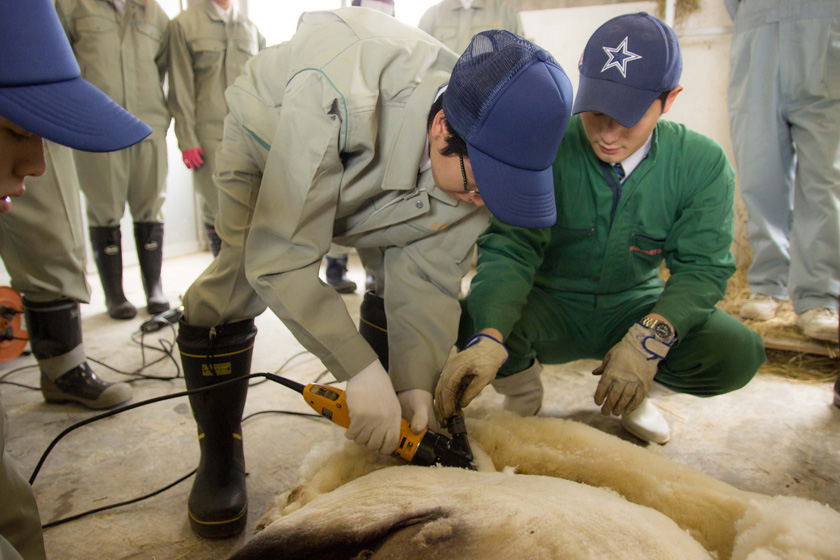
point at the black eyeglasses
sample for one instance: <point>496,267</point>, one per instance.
<point>464,175</point>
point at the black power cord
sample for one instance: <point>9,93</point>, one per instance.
<point>51,446</point>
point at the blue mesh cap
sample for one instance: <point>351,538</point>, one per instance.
<point>510,101</point>
<point>41,88</point>
<point>627,63</point>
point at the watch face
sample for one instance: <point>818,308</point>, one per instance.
<point>663,331</point>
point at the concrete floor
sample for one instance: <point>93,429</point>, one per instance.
<point>774,436</point>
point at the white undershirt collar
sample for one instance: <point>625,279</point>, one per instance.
<point>632,161</point>
<point>224,14</point>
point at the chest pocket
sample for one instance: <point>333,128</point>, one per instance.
<point>645,253</point>
<point>245,48</point>
<point>207,53</point>
<point>95,24</point>
<point>149,37</point>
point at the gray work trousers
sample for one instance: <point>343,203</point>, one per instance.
<point>784,110</point>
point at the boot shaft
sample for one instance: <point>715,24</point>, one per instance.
<point>148,238</point>
<point>210,356</point>
<point>373,325</point>
<point>55,327</point>
<point>107,253</point>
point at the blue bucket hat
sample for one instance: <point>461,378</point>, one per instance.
<point>41,88</point>
<point>627,63</point>
<point>510,101</point>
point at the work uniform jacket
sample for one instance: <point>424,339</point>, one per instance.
<point>610,239</point>
<point>124,55</point>
<point>208,54</point>
<point>324,140</point>
<point>454,26</point>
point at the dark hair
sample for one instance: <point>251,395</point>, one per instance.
<point>663,97</point>
<point>455,145</point>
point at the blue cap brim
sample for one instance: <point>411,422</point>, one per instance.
<point>72,113</point>
<point>518,197</point>
<point>626,105</point>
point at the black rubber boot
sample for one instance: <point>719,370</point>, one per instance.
<point>107,252</point>
<point>373,325</point>
<point>149,239</point>
<point>218,504</point>
<point>55,336</point>
<point>337,275</point>
<point>213,239</point>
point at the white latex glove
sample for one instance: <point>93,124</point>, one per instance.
<point>628,370</point>
<point>466,373</point>
<point>417,408</point>
<point>374,410</point>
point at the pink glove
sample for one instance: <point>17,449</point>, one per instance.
<point>194,158</point>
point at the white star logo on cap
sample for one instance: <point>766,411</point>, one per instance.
<point>619,57</point>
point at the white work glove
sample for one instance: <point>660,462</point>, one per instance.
<point>628,370</point>
<point>374,410</point>
<point>417,409</point>
<point>466,373</point>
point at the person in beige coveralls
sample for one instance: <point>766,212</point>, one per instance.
<point>122,47</point>
<point>342,134</point>
<point>209,45</point>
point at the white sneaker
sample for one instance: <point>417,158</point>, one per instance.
<point>760,307</point>
<point>647,423</point>
<point>820,323</point>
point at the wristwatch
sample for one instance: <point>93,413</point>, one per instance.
<point>662,331</point>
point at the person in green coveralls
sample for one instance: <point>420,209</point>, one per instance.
<point>632,190</point>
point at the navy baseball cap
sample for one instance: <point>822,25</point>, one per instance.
<point>510,101</point>
<point>41,88</point>
<point>627,63</point>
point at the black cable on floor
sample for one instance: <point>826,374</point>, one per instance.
<point>114,412</point>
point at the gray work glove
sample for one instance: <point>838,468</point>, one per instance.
<point>628,370</point>
<point>374,410</point>
<point>466,373</point>
<point>417,409</point>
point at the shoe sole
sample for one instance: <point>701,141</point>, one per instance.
<point>57,397</point>
<point>821,336</point>
<point>219,529</point>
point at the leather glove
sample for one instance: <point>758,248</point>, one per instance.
<point>193,158</point>
<point>417,408</point>
<point>466,373</point>
<point>374,410</point>
<point>628,370</point>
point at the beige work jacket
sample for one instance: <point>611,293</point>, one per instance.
<point>451,24</point>
<point>208,54</point>
<point>124,55</point>
<point>334,123</point>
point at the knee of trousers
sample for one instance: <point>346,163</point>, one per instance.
<point>724,367</point>
<point>740,360</point>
